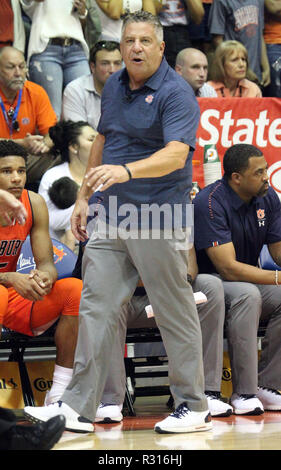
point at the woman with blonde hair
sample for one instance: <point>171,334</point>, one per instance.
<point>230,74</point>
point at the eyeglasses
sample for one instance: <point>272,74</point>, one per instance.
<point>106,45</point>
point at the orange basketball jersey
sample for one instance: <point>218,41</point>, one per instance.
<point>13,236</point>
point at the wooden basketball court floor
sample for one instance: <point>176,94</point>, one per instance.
<point>251,433</point>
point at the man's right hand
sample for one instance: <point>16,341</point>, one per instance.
<point>79,220</point>
<point>26,286</point>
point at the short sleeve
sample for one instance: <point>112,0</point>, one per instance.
<point>180,117</point>
<point>211,227</point>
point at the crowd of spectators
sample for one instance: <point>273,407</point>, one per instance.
<point>71,47</point>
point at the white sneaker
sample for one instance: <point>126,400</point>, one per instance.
<point>185,420</point>
<point>271,399</point>
<point>74,422</point>
<point>246,404</point>
<point>108,413</point>
<point>216,406</point>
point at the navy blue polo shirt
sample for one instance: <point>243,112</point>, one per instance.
<point>138,123</point>
<point>220,217</point>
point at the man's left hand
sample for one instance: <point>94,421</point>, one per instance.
<point>43,279</point>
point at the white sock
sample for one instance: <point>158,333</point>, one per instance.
<point>61,379</point>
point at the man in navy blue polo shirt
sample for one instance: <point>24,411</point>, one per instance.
<point>143,157</point>
<point>234,218</point>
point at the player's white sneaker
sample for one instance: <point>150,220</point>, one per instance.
<point>108,413</point>
<point>74,422</point>
<point>216,406</point>
<point>184,420</point>
<point>271,399</point>
<point>246,404</point>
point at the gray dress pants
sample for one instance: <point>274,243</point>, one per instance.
<point>211,316</point>
<point>111,270</point>
<point>246,305</point>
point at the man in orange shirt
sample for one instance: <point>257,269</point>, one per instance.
<point>26,112</point>
<point>31,303</point>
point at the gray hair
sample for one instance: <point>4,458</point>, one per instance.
<point>144,17</point>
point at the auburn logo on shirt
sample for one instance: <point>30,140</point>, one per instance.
<point>261,217</point>
<point>149,99</point>
<point>9,248</point>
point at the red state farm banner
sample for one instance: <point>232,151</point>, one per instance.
<point>228,121</point>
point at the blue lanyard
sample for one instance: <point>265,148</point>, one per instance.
<point>10,123</point>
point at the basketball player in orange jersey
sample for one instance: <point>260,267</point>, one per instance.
<point>31,303</point>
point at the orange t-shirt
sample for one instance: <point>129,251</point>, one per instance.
<point>35,115</point>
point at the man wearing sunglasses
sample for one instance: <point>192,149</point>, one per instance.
<point>82,96</point>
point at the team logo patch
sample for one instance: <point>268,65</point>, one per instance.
<point>260,213</point>
<point>261,217</point>
<point>25,121</point>
<point>59,253</point>
<point>149,99</point>
<point>215,243</point>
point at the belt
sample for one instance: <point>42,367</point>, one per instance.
<point>63,41</point>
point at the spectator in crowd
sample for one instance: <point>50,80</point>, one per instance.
<point>62,194</point>
<point>26,112</point>
<point>82,97</point>
<point>31,303</point>
<point>12,32</point>
<point>192,65</point>
<point>243,21</point>
<point>199,33</point>
<point>91,25</point>
<point>111,12</point>
<point>233,218</point>
<point>175,17</point>
<point>229,70</point>
<point>272,37</point>
<point>72,141</point>
<point>57,51</point>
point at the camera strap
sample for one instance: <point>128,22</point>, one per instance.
<point>11,121</point>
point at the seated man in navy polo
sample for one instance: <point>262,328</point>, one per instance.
<point>234,218</point>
